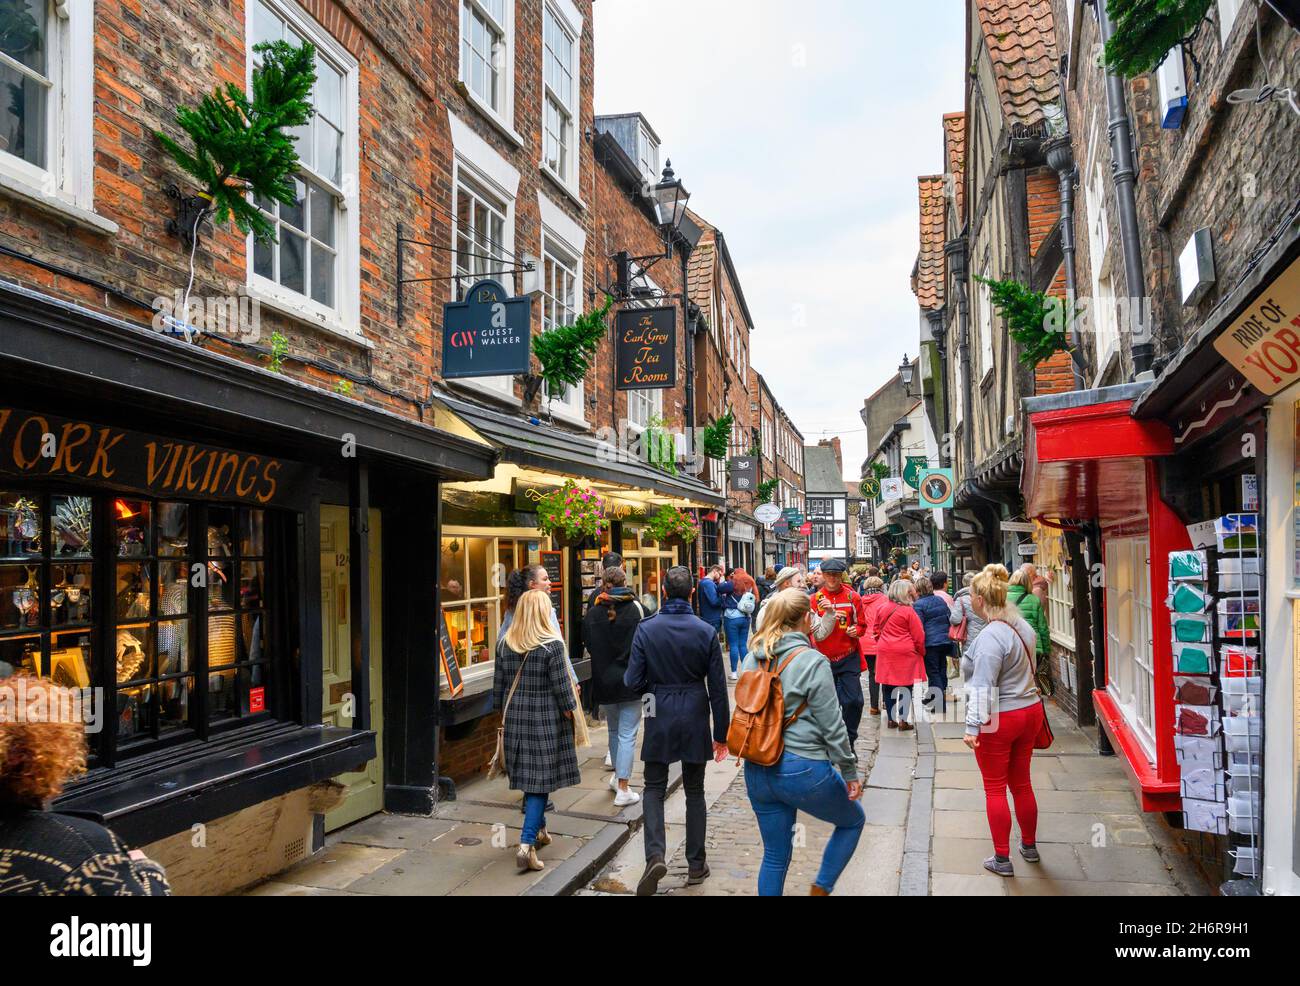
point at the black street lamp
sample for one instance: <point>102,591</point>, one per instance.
<point>905,370</point>
<point>670,197</point>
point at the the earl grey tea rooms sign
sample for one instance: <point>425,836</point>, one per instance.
<point>487,334</point>
<point>645,354</point>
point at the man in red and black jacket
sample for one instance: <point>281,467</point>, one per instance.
<point>837,638</point>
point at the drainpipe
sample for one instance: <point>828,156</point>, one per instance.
<point>955,251</point>
<point>1060,158</point>
<point>1123,173</point>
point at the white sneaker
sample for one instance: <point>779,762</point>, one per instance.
<point>613,783</point>
<point>624,798</point>
<point>609,764</point>
<point>733,676</point>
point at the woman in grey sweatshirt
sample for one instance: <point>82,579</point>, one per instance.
<point>818,771</point>
<point>1004,715</point>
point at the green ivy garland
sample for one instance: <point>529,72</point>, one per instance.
<point>765,489</point>
<point>717,436</point>
<point>1145,30</point>
<point>1035,320</point>
<point>565,352</point>
<point>243,145</point>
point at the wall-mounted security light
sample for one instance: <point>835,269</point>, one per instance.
<point>1196,266</point>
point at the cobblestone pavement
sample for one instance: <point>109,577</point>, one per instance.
<point>927,833</point>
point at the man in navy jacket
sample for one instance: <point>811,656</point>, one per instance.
<point>713,592</point>
<point>676,660</point>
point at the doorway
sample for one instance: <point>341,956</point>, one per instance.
<point>365,788</point>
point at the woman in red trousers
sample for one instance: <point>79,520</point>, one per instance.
<point>900,651</point>
<point>1004,715</point>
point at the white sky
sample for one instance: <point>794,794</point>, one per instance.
<point>799,127</point>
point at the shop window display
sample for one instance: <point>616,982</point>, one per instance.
<point>472,590</point>
<point>59,551</point>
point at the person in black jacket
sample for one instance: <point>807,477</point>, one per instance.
<point>607,629</point>
<point>677,662</point>
<point>44,853</point>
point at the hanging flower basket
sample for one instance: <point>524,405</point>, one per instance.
<point>671,527</point>
<point>571,514</point>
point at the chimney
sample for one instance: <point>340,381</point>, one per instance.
<point>834,445</point>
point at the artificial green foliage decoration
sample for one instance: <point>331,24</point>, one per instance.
<point>660,445</point>
<point>669,522</point>
<point>1145,30</point>
<point>1036,321</point>
<point>565,352</point>
<point>880,469</point>
<point>717,436</point>
<point>763,493</point>
<point>243,144</point>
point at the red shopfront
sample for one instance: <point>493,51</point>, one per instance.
<point>1093,469</point>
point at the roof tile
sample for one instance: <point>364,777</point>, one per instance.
<point>1021,39</point>
<point>928,284</point>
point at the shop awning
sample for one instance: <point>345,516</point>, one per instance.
<point>544,447</point>
<point>73,354</point>
<point>1085,454</point>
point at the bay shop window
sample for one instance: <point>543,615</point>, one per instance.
<point>170,607</point>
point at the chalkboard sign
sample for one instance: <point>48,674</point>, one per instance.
<point>447,653</point>
<point>553,562</point>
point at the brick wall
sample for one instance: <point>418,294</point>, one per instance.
<point>469,754</point>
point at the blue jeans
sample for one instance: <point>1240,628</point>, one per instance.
<point>534,817</point>
<point>622,720</point>
<point>737,638</point>
<point>778,793</point>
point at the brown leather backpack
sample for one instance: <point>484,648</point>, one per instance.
<point>757,731</point>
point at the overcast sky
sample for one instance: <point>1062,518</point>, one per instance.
<point>799,127</point>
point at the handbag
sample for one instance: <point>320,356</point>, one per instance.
<point>1044,739</point>
<point>497,766</point>
<point>958,633</point>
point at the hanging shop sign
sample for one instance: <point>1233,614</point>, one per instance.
<point>744,472</point>
<point>912,471</point>
<point>487,334</point>
<point>869,487</point>
<point>645,352</point>
<point>781,526</point>
<point>767,513</point>
<point>891,488</point>
<point>1017,526</point>
<point>1264,341</point>
<point>45,446</point>
<point>936,489</point>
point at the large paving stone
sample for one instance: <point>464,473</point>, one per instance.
<point>421,875</point>
<point>1085,801</point>
<point>276,888</point>
<point>874,868</point>
<point>954,799</point>
<point>964,885</point>
<point>892,772</point>
<point>970,780</point>
<point>897,746</point>
<point>961,825</point>
<point>1123,864</point>
<point>339,866</point>
<point>394,831</point>
<point>968,855</point>
<point>1064,780</point>
<point>884,806</point>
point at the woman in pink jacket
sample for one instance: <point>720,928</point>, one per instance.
<point>870,598</point>
<point>900,651</point>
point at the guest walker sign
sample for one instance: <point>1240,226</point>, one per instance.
<point>646,351</point>
<point>486,335</point>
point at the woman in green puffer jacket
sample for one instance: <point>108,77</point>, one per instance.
<point>1020,595</point>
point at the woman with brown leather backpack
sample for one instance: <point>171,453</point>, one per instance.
<point>817,769</point>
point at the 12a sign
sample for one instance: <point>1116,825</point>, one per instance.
<point>487,334</point>
<point>645,349</point>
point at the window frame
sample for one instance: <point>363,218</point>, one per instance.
<point>572,406</point>
<point>502,115</point>
<point>1060,607</point>
<point>344,318</point>
<point>479,186</point>
<point>65,184</point>
<point>568,178</point>
<point>1129,650</point>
